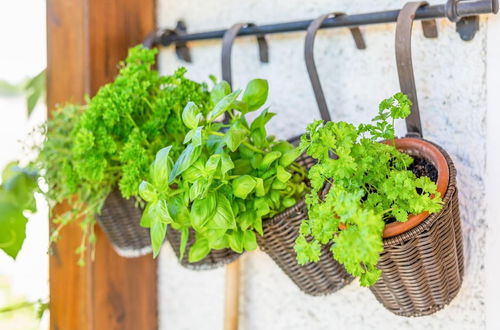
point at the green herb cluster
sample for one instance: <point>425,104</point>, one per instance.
<point>369,182</point>
<point>228,178</point>
<point>110,142</point>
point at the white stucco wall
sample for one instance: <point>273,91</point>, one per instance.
<point>453,80</point>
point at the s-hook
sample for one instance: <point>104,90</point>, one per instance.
<point>310,63</point>
<point>227,46</point>
<point>404,62</point>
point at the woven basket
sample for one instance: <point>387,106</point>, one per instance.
<point>215,259</point>
<point>120,220</point>
<point>422,268</point>
<point>280,233</point>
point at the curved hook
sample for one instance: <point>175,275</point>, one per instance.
<point>227,45</point>
<point>311,66</point>
<point>404,63</point>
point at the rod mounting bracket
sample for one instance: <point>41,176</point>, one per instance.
<point>181,49</point>
<point>467,27</point>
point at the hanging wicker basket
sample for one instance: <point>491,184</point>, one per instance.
<point>280,233</point>
<point>120,220</point>
<point>422,267</point>
<point>215,259</point>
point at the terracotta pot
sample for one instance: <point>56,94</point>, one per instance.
<point>426,150</point>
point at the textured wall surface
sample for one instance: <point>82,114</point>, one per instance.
<point>450,77</point>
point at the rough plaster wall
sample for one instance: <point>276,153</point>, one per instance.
<point>452,91</point>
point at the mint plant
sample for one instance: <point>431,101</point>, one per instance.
<point>228,178</point>
<point>367,184</point>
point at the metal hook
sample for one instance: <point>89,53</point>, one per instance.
<point>404,62</point>
<point>310,63</point>
<point>227,45</point>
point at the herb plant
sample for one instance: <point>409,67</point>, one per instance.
<point>110,142</point>
<point>228,178</point>
<point>369,183</point>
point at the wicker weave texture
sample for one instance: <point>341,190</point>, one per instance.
<point>215,259</point>
<point>422,269</point>
<point>120,220</point>
<point>280,233</point>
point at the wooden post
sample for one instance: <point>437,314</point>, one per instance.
<point>232,295</point>
<point>86,39</point>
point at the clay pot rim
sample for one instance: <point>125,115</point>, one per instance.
<point>424,149</point>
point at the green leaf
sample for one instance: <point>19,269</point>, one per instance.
<point>223,105</point>
<point>255,94</point>
<point>282,174</point>
<point>35,89</point>
<point>219,92</point>
<point>158,231</point>
<point>147,192</point>
<point>260,191</point>
<point>191,115</point>
<point>199,250</point>
<point>289,157</point>
<point>236,135</point>
<point>185,160</point>
<point>226,163</point>
<point>257,225</point>
<point>203,210</point>
<point>212,164</point>
<point>235,239</point>
<point>198,188</point>
<point>184,240</point>
<point>269,158</point>
<point>12,229</point>
<point>249,240</point>
<point>246,219</point>
<point>224,216</point>
<point>243,185</point>
<point>160,169</point>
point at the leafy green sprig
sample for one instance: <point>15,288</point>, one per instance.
<point>110,142</point>
<point>228,178</point>
<point>369,183</point>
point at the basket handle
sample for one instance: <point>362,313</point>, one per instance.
<point>227,46</point>
<point>404,62</point>
<point>311,65</point>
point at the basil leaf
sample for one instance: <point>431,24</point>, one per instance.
<point>223,105</point>
<point>179,211</point>
<point>186,159</point>
<point>242,166</point>
<point>160,169</point>
<point>191,115</point>
<point>199,250</point>
<point>224,216</point>
<point>255,94</point>
<point>198,188</point>
<point>235,240</point>
<point>282,174</point>
<point>261,207</point>
<point>147,191</point>
<point>289,157</point>
<point>260,191</point>
<point>184,240</point>
<point>202,210</point>
<point>212,164</point>
<point>226,163</point>
<point>262,119</point>
<point>247,219</point>
<point>157,232</point>
<point>243,185</point>
<point>269,158</point>
<point>249,240</point>
<point>257,225</point>
<point>236,135</point>
<point>219,91</point>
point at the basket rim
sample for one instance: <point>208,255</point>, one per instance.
<point>429,151</point>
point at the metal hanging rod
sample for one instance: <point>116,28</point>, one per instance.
<point>458,11</point>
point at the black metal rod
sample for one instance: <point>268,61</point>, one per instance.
<point>463,9</point>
